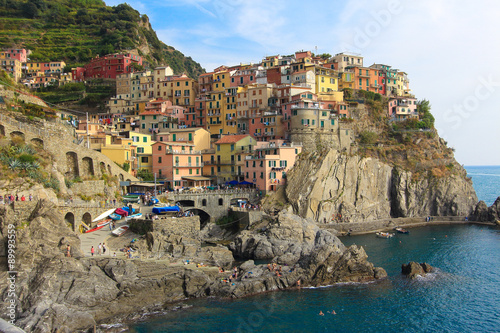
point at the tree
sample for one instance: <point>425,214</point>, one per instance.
<point>424,113</point>
<point>145,175</point>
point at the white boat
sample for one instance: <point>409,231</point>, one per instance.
<point>134,216</point>
<point>120,230</point>
<point>104,215</point>
<point>384,234</point>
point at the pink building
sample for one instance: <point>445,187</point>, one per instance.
<point>18,54</point>
<point>268,166</point>
<point>178,164</point>
<point>402,108</point>
<point>78,74</point>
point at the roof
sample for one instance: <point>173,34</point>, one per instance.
<point>231,138</point>
<point>196,178</point>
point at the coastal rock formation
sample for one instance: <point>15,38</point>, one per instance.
<point>483,213</point>
<point>336,185</point>
<point>71,294</point>
<point>414,269</point>
<point>319,256</point>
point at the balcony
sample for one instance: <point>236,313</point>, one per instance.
<point>187,165</point>
<point>209,163</point>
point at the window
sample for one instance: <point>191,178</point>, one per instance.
<point>218,147</point>
<point>159,159</point>
<point>190,171</point>
<point>232,147</point>
<point>176,171</point>
<point>145,139</point>
<point>143,126</point>
<point>144,159</point>
<point>140,150</point>
<point>159,147</point>
<point>204,202</point>
<point>221,201</point>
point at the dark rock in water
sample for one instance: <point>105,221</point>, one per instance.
<point>414,269</point>
<point>483,213</point>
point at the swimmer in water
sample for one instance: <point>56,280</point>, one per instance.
<point>321,313</point>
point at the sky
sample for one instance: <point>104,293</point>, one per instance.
<point>449,49</point>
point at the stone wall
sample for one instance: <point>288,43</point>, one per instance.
<point>89,187</point>
<point>71,159</point>
<point>312,139</point>
<point>27,98</point>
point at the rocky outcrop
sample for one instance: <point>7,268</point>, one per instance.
<point>333,185</point>
<point>318,256</point>
<point>413,269</point>
<point>483,213</point>
<point>72,294</point>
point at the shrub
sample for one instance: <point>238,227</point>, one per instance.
<point>367,137</point>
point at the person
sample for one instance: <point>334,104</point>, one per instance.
<point>114,254</point>
<point>103,248</point>
<point>110,226</point>
<point>23,198</point>
<point>298,283</point>
<point>114,202</point>
<point>68,251</point>
<point>99,249</point>
<point>31,197</point>
<point>17,197</point>
<point>321,313</point>
<point>92,251</point>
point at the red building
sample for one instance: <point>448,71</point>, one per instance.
<point>109,66</point>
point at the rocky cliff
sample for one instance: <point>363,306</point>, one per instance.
<point>483,213</point>
<point>337,186</point>
<point>57,293</point>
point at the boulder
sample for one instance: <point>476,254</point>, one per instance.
<point>414,269</point>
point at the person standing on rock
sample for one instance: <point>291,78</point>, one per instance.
<point>68,251</point>
<point>31,197</point>
<point>103,249</point>
<point>92,251</point>
<point>99,249</point>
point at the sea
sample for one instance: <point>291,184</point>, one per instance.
<point>461,295</point>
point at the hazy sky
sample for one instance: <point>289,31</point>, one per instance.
<point>450,49</point>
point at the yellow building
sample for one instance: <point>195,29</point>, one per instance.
<point>13,67</point>
<point>121,154</point>
<point>326,80</point>
<point>143,151</point>
<point>227,150</point>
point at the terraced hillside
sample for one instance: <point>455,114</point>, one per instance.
<point>77,30</point>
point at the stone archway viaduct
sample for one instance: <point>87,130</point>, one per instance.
<point>215,203</point>
<point>71,158</point>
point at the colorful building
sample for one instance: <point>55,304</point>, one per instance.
<point>402,108</point>
<point>229,150</point>
<point>108,66</point>
<point>19,54</point>
<point>268,165</point>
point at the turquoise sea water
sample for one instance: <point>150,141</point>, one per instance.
<point>486,180</point>
<point>463,295</point>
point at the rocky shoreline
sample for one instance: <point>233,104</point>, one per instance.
<point>74,294</point>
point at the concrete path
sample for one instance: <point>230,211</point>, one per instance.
<point>101,236</point>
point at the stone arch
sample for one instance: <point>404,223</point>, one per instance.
<point>102,166</point>
<point>87,166</point>
<point>186,203</point>
<point>87,218</point>
<point>221,201</point>
<point>2,130</point>
<point>37,142</point>
<point>16,134</point>
<point>109,169</point>
<point>204,202</point>
<point>204,216</point>
<point>121,177</point>
<point>70,219</point>
<point>72,164</point>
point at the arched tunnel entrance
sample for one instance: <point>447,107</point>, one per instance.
<point>204,216</point>
<point>185,203</point>
<point>69,218</point>
<point>87,219</point>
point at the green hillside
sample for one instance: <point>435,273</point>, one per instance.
<point>77,30</point>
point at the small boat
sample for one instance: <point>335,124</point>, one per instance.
<point>103,215</point>
<point>95,228</point>
<point>134,216</point>
<point>115,216</point>
<point>120,230</point>
<point>401,230</point>
<point>384,234</point>
<point>121,211</point>
<point>165,210</point>
<point>103,222</point>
